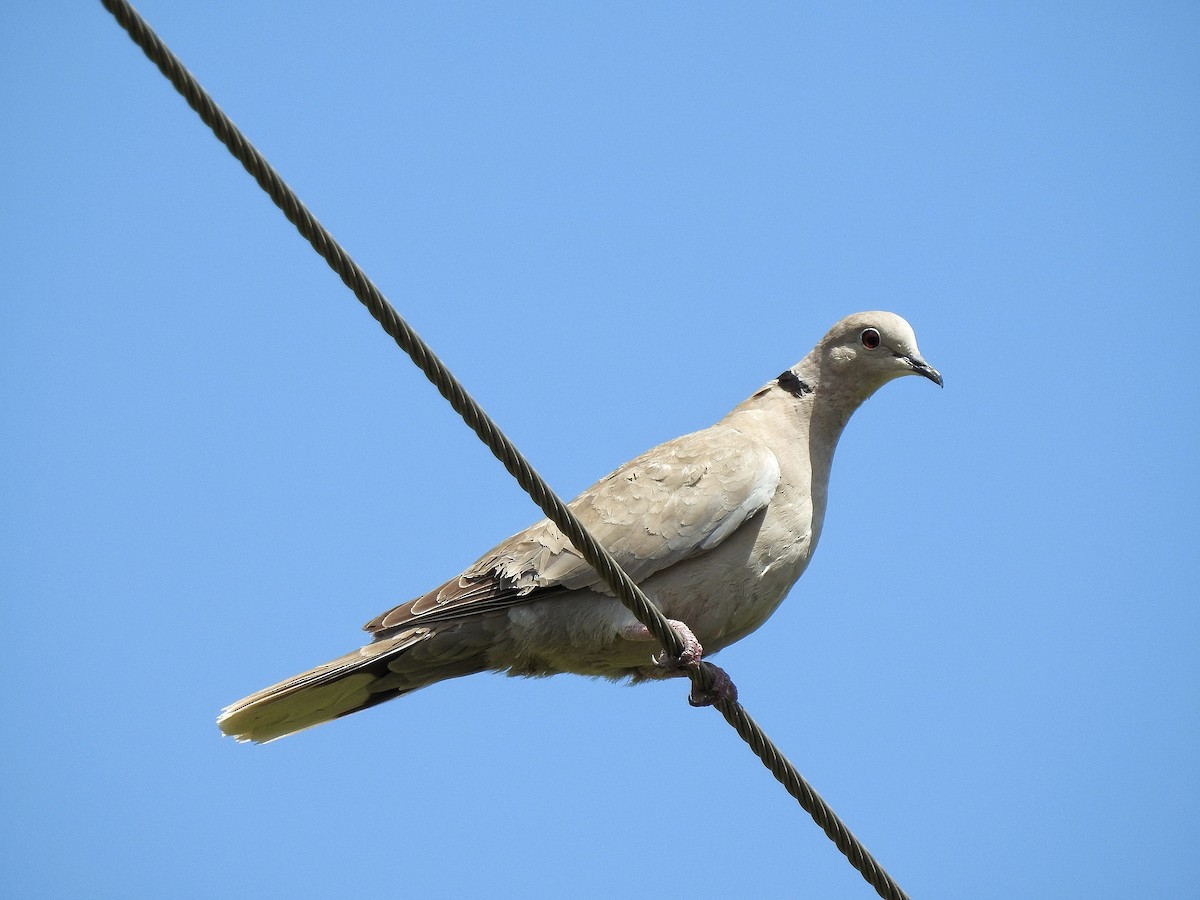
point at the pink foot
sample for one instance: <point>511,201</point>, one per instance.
<point>723,688</point>
<point>692,658</point>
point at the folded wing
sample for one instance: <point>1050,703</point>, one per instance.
<point>680,499</point>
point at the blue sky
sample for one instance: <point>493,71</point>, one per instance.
<point>614,221</point>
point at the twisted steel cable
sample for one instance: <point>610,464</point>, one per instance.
<point>491,435</point>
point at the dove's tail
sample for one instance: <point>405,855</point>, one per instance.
<point>389,667</point>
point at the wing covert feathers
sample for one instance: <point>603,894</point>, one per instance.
<point>681,498</point>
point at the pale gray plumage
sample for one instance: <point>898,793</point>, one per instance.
<point>715,526</point>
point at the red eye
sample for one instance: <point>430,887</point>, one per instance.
<point>870,338</point>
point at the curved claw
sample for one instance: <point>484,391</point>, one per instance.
<point>693,652</point>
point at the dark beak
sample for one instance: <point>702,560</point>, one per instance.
<point>920,367</point>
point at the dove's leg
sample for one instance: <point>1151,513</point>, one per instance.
<point>693,653</point>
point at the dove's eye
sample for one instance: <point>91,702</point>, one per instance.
<point>870,338</point>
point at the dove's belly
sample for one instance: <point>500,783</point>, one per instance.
<point>721,596</point>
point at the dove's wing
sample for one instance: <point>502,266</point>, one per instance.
<point>680,499</point>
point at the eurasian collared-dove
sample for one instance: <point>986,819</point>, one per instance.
<point>715,526</point>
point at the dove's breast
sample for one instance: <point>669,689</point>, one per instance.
<point>722,594</point>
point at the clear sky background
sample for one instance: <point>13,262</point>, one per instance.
<point>614,221</point>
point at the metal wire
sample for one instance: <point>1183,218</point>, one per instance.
<point>491,435</point>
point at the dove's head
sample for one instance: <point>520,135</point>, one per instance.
<point>869,349</point>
